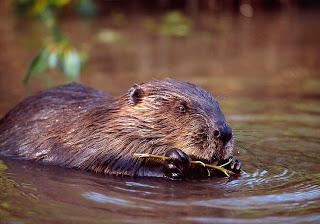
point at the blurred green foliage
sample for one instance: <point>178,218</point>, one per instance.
<point>58,52</point>
<point>60,56</point>
<point>173,23</point>
<point>86,8</point>
<point>110,36</point>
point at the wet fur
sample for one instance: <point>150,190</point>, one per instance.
<point>79,127</point>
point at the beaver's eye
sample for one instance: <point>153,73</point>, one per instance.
<point>182,108</point>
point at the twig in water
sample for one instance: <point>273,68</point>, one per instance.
<point>220,167</point>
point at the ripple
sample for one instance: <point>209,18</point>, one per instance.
<point>112,200</point>
<point>101,198</point>
<point>271,219</point>
<point>259,177</point>
<point>142,191</point>
<point>285,200</point>
<point>136,184</point>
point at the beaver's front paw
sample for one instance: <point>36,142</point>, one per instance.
<point>234,165</point>
<point>178,165</point>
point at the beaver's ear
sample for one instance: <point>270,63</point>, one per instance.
<point>135,94</point>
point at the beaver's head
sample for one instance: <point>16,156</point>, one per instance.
<point>176,114</point>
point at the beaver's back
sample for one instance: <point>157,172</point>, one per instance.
<point>45,118</point>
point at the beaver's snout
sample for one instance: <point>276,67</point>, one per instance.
<point>223,133</point>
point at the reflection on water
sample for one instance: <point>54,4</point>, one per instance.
<point>101,198</point>
<point>267,76</point>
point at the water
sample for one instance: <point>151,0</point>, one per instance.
<point>280,184</point>
<point>265,73</point>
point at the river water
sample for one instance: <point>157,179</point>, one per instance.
<point>265,73</point>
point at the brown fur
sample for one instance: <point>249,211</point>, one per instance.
<point>79,127</point>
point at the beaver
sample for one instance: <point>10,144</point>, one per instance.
<point>77,126</point>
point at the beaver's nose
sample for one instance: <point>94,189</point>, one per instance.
<point>224,133</point>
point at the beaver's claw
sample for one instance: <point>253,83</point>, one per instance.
<point>178,165</point>
<point>234,165</point>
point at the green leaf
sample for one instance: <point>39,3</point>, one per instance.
<point>71,64</point>
<point>53,60</point>
<point>37,65</point>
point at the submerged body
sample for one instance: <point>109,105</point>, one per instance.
<point>79,127</point>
